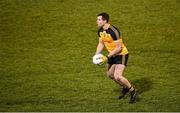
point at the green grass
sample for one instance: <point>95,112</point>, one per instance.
<point>46,49</point>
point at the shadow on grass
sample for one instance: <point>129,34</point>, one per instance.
<point>143,84</point>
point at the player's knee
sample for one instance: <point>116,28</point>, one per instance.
<point>118,77</point>
<point>110,75</point>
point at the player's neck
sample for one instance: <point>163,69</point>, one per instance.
<point>106,26</point>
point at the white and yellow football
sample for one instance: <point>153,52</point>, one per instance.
<point>97,59</point>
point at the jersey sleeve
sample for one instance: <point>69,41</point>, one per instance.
<point>100,29</point>
<point>98,33</point>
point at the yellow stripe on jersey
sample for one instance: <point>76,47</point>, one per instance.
<point>115,31</point>
<point>123,59</point>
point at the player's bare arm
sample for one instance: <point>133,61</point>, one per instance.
<point>100,46</point>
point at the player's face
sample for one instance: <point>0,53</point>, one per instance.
<point>100,21</point>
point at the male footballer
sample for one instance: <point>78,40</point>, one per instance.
<point>110,37</point>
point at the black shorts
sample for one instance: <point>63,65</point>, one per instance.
<point>118,59</point>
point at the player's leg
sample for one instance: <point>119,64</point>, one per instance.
<point>111,68</point>
<point>110,72</point>
<point>118,75</point>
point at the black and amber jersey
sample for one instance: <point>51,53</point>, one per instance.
<point>110,35</point>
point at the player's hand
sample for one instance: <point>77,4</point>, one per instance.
<point>104,59</point>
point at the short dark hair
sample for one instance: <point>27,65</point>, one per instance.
<point>104,15</point>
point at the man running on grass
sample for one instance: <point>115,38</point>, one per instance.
<point>110,37</point>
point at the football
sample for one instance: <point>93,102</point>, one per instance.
<point>97,59</point>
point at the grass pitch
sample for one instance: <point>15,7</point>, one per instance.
<point>46,49</point>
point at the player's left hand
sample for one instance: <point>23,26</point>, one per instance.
<point>104,59</point>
